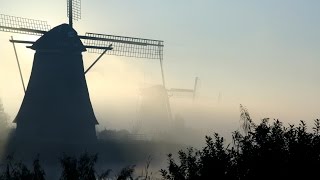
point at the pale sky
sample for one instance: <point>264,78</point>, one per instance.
<point>262,54</point>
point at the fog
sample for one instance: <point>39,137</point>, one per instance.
<point>263,55</point>
<point>242,53</point>
<point>122,103</point>
<point>115,87</point>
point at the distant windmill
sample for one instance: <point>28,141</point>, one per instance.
<point>193,91</point>
<point>176,91</point>
<point>56,105</point>
<point>155,108</point>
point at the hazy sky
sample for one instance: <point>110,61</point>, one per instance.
<point>263,54</point>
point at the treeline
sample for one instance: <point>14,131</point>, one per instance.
<point>4,118</point>
<point>73,168</point>
<point>264,151</point>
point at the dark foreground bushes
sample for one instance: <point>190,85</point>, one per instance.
<point>15,170</point>
<point>82,168</point>
<point>265,151</point>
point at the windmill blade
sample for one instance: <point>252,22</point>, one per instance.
<point>180,93</point>
<point>125,46</point>
<point>195,87</point>
<point>89,47</point>
<point>74,9</point>
<point>22,25</point>
<point>180,90</point>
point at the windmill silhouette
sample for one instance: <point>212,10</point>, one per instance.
<point>56,106</point>
<point>155,111</point>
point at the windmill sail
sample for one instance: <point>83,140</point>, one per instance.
<point>125,46</point>
<point>23,25</point>
<point>96,43</point>
<point>74,9</point>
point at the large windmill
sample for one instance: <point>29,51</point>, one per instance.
<point>56,106</point>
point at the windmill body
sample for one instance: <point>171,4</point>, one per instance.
<point>56,106</point>
<point>154,110</point>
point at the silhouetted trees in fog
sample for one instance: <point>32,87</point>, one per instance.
<point>265,151</point>
<point>4,127</point>
<point>268,150</point>
<point>4,118</point>
<point>15,170</point>
<point>82,168</point>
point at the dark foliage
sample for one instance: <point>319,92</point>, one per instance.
<point>73,168</point>
<point>265,151</point>
<point>126,173</point>
<point>82,169</point>
<point>15,170</point>
<point>4,118</point>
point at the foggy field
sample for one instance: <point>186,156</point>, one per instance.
<point>112,154</point>
<point>268,146</point>
<point>148,90</point>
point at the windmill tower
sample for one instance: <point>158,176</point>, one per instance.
<point>155,111</point>
<point>56,106</point>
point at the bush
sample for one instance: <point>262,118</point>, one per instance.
<point>83,169</point>
<point>15,170</point>
<point>265,151</point>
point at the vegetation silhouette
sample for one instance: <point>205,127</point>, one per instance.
<point>82,168</point>
<point>265,151</point>
<point>72,168</point>
<point>16,170</point>
<point>4,119</point>
<point>5,130</point>
<point>268,150</point>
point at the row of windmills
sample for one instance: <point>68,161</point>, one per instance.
<point>56,106</point>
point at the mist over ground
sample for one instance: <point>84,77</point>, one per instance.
<point>264,55</point>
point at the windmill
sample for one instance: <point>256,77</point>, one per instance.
<point>193,92</point>
<point>56,106</point>
<point>155,108</point>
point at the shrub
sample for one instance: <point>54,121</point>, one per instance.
<point>265,151</point>
<point>15,170</point>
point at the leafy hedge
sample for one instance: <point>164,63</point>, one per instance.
<point>264,151</point>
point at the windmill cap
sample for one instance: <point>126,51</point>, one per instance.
<point>62,38</point>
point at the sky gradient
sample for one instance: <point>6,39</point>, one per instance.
<point>264,55</point>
